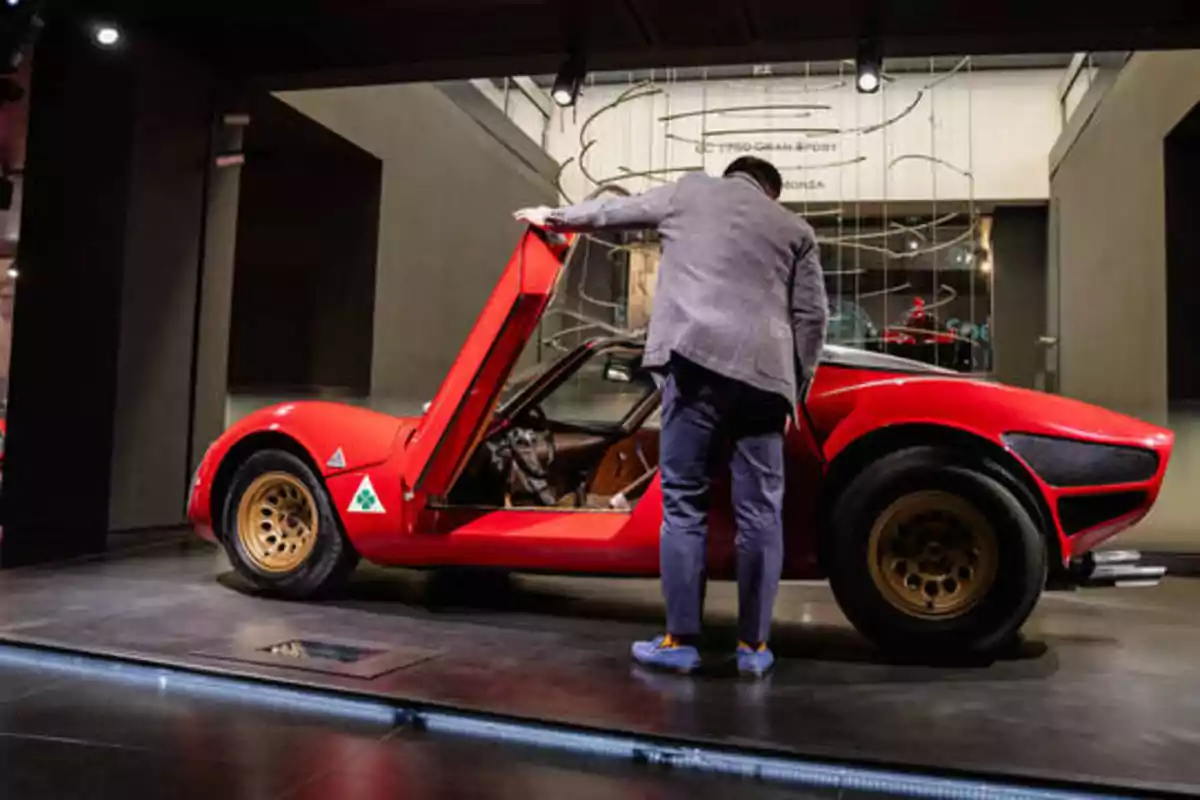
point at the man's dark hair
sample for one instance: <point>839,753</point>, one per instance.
<point>762,171</point>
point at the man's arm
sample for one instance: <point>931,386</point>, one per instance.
<point>810,309</point>
<point>646,210</point>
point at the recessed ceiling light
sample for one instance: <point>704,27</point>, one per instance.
<point>107,35</point>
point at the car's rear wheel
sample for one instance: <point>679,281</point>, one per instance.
<point>932,556</point>
<point>280,530</point>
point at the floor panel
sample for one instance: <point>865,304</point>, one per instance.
<point>106,737</point>
<point>1102,689</point>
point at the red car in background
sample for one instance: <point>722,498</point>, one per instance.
<point>938,506</point>
<point>921,336</point>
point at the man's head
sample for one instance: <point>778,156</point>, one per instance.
<point>763,172</point>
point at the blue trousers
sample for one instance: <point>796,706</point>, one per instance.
<point>708,419</point>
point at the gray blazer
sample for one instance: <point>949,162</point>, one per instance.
<point>740,289</point>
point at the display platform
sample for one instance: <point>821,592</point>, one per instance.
<point>1102,691</point>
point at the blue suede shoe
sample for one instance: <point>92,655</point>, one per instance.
<point>754,663</point>
<point>663,652</point>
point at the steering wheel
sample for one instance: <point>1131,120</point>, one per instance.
<point>537,418</point>
<point>537,422</point>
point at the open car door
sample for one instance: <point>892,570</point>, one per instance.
<point>459,412</point>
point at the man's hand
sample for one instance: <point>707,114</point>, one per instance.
<point>539,216</point>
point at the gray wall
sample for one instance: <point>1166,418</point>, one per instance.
<point>170,146</point>
<point>1111,249</point>
<point>446,228</point>
<point>1109,197</point>
<point>216,294</point>
<point>1018,294</point>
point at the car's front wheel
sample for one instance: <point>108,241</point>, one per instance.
<point>280,530</point>
<point>932,556</point>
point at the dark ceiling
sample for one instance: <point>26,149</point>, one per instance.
<point>325,42</point>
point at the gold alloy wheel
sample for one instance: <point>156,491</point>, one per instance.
<point>277,522</point>
<point>933,555</point>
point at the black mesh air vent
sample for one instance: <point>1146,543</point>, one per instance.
<point>1080,513</point>
<point>1065,462</point>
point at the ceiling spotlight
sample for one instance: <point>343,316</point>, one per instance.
<point>868,67</point>
<point>107,35</point>
<point>563,97</point>
<point>913,244</point>
<point>569,79</point>
<point>12,3</point>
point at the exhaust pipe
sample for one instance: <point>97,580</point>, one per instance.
<point>1115,568</point>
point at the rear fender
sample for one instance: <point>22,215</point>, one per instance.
<point>847,414</point>
<point>910,409</point>
<point>854,453</point>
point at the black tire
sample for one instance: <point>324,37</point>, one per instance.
<point>1019,554</point>
<point>331,559</point>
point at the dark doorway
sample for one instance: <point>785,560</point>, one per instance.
<point>304,275</point>
<point>1181,167</point>
<point>1019,251</point>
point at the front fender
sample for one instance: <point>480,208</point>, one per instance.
<point>336,438</point>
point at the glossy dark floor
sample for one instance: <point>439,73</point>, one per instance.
<point>1104,689</point>
<point>69,737</point>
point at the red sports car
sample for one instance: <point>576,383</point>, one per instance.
<point>938,506</point>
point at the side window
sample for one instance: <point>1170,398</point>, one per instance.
<point>605,390</point>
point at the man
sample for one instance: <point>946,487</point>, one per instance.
<point>737,328</point>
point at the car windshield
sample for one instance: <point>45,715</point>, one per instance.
<point>592,299</point>
<point>601,387</point>
<point>519,380</point>
<point>605,389</point>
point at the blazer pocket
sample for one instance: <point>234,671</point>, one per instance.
<point>773,351</point>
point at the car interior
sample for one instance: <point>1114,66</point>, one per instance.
<point>581,435</point>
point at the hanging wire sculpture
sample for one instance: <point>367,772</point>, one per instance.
<point>923,242</point>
